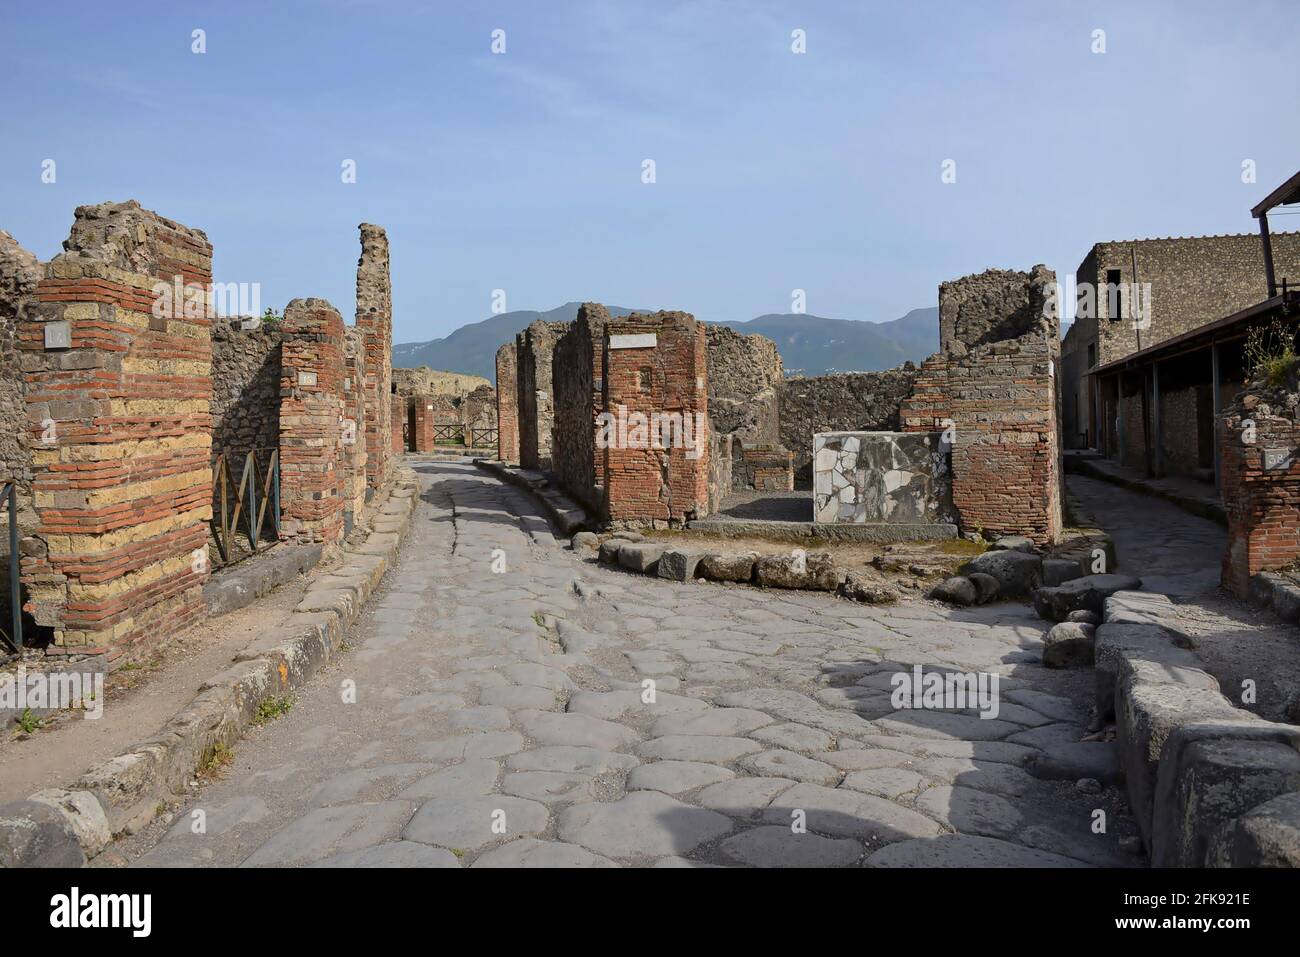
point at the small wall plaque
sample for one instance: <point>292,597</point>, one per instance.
<point>1277,459</point>
<point>306,378</point>
<point>58,335</point>
<point>645,340</point>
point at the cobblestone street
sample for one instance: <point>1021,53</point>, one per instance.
<point>499,719</point>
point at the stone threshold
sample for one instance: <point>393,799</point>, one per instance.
<point>65,827</point>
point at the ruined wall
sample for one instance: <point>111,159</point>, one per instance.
<point>398,423</point>
<point>426,381</point>
<point>245,385</point>
<point>745,378</point>
<point>535,347</point>
<point>20,271</point>
<point>998,396</point>
<point>578,380</point>
<point>312,410</point>
<point>845,402</point>
<point>656,364</point>
<point>375,320</point>
<point>122,417</point>
<point>353,454</point>
<point>1260,484</point>
<point>507,393</point>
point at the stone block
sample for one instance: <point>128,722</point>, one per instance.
<point>1058,571</point>
<point>810,572</point>
<point>1265,836</point>
<point>1069,644</point>
<point>640,556</point>
<point>1017,573</point>
<point>957,590</point>
<point>1086,593</point>
<point>677,564</point>
<point>727,568</point>
<point>609,550</point>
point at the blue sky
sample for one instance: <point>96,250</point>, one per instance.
<point>522,171</point>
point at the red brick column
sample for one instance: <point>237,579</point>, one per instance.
<point>656,365</point>
<point>375,320</point>
<point>118,401</point>
<point>507,404</point>
<point>1260,484</point>
<point>311,416</point>
<point>398,423</point>
<point>424,416</point>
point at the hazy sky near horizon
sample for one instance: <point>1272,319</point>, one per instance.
<point>522,171</point>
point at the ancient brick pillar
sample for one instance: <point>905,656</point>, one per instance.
<point>398,422</point>
<point>354,453</point>
<point>424,416</point>
<point>535,349</point>
<point>655,379</point>
<point>1260,485</point>
<point>507,404</point>
<point>117,356</point>
<point>375,320</point>
<point>312,412</point>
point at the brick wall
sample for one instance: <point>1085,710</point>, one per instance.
<point>656,486</point>
<point>425,412</point>
<point>769,468</point>
<point>507,403</point>
<point>534,349</point>
<point>398,423</point>
<point>998,395</point>
<point>577,374</point>
<point>375,320</point>
<point>312,410</point>
<point>121,430</point>
<point>354,454</point>
<point>1262,503</point>
<point>20,272</point>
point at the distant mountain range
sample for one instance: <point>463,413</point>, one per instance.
<point>809,345</point>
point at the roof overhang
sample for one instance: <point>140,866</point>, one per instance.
<point>1284,195</point>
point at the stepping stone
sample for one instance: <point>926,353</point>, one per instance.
<point>965,850</point>
<point>642,824</point>
<point>577,730</point>
<point>393,854</point>
<point>675,777</point>
<point>548,786</point>
<point>743,797</point>
<point>794,737</point>
<point>788,764</point>
<point>709,749</point>
<point>843,813</point>
<point>1086,593</point>
<point>969,811</point>
<point>781,847</point>
<point>465,823</point>
<point>716,721</point>
<point>884,782</point>
<point>331,830</point>
<point>472,777</point>
<point>530,852</point>
<point>574,760</point>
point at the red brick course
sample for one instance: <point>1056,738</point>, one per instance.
<point>1262,505</point>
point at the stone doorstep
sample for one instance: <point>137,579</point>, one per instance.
<point>66,827</point>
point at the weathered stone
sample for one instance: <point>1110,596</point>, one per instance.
<point>1069,644</point>
<point>1017,573</point>
<point>1015,543</point>
<point>640,825</point>
<point>678,565</point>
<point>1265,836</point>
<point>842,813</point>
<point>965,850</point>
<point>776,846</point>
<point>530,852</point>
<point>958,590</point>
<point>586,541</point>
<point>1072,760</point>
<point>609,550</point>
<point>1087,592</point>
<point>727,568</point>
<point>1058,571</point>
<point>33,834</point>
<point>813,572</point>
<point>640,556</point>
<point>675,777</point>
<point>986,587</point>
<point>969,811</point>
<point>1084,616</point>
<point>858,587</point>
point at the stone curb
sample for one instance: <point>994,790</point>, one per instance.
<point>569,516</point>
<point>1194,764</point>
<point>65,827</point>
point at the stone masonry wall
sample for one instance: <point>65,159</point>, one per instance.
<point>998,397</point>
<point>375,320</point>
<point>245,385</point>
<point>535,346</point>
<point>647,485</point>
<point>312,410</point>
<point>507,403</point>
<point>745,378</point>
<point>846,402</point>
<point>20,272</point>
<point>578,385</point>
<point>354,453</point>
<point>122,431</point>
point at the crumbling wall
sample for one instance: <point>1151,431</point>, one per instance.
<point>507,393</point>
<point>578,380</point>
<point>245,385</point>
<point>535,347</point>
<point>426,381</point>
<point>844,402</point>
<point>656,365</point>
<point>312,410</point>
<point>20,272</point>
<point>354,454</point>
<point>120,410</point>
<point>375,320</point>
<point>745,378</point>
<point>996,397</point>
